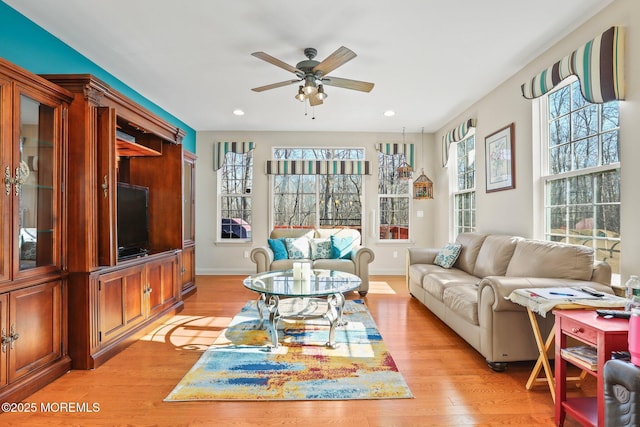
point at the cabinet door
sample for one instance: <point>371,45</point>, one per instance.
<point>4,313</point>
<point>188,195</point>
<point>121,302</point>
<point>36,193</point>
<point>7,195</point>
<point>36,324</point>
<point>106,199</point>
<point>188,267</point>
<point>162,283</point>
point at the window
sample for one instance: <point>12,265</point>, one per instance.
<point>317,200</point>
<point>582,173</point>
<point>236,177</point>
<point>464,195</point>
<point>394,198</point>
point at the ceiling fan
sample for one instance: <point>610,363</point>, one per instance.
<point>314,74</point>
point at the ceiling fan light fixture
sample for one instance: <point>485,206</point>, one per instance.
<point>321,95</point>
<point>309,86</point>
<point>300,96</point>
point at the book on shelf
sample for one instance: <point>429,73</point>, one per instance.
<point>583,355</point>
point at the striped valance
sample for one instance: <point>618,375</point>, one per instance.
<point>598,65</point>
<point>318,167</point>
<point>454,135</point>
<point>395,148</point>
<point>220,149</point>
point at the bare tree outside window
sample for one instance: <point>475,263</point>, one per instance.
<point>582,184</point>
<point>320,201</point>
<point>394,198</point>
<point>236,184</point>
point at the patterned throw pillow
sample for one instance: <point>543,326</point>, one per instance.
<point>448,255</point>
<point>341,247</point>
<point>279,249</point>
<point>320,248</point>
<point>297,247</point>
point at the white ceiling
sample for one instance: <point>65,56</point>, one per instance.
<point>429,59</point>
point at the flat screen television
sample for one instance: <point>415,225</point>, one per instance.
<point>133,219</point>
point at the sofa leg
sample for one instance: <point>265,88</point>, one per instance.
<point>497,366</point>
<point>363,293</point>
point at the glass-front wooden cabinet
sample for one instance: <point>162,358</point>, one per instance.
<point>188,256</point>
<point>33,285</point>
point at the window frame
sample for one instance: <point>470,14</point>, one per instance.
<point>272,195</point>
<point>398,159</point>
<point>542,122</point>
<point>456,191</point>
<point>220,173</point>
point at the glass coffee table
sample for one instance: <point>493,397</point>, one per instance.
<point>305,299</point>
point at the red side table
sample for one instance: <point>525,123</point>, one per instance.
<point>606,335</point>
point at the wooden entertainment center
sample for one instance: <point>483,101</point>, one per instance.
<point>113,140</point>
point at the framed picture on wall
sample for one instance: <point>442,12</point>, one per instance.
<point>500,159</point>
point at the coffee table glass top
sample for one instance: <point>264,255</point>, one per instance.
<point>321,283</point>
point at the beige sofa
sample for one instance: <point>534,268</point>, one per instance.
<point>357,263</point>
<point>470,296</point>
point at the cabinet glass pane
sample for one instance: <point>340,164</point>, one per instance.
<point>34,174</point>
<point>188,201</point>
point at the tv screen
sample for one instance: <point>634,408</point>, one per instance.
<point>133,218</point>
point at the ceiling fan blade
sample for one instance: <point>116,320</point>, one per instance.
<point>274,85</point>
<point>275,61</point>
<point>348,84</point>
<point>333,61</point>
<point>313,101</point>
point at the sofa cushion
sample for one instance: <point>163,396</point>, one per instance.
<point>279,249</point>
<point>320,248</point>
<point>297,247</point>
<point>326,233</point>
<point>448,255</point>
<point>341,247</point>
<point>463,301</point>
<point>345,265</point>
<point>553,260</point>
<point>494,256</point>
<point>471,243</point>
<point>439,279</point>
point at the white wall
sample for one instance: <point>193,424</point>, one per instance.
<point>508,212</point>
<point>513,211</point>
<point>228,258</point>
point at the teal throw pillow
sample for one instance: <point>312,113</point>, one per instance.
<point>297,247</point>
<point>448,255</point>
<point>320,248</point>
<point>279,249</point>
<point>341,247</point>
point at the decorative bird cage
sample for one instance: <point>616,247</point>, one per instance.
<point>423,187</point>
<point>404,171</point>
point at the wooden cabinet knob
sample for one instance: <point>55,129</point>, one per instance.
<point>577,330</point>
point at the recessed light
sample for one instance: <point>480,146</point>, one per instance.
<point>389,113</point>
<point>238,112</point>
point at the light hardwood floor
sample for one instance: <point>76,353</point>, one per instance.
<point>451,382</point>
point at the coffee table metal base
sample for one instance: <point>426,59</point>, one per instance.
<point>271,304</point>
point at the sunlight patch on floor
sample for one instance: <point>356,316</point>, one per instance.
<point>188,332</point>
<point>378,287</point>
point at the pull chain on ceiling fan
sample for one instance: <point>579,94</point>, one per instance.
<point>313,74</point>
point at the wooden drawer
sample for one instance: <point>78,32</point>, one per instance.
<point>579,330</point>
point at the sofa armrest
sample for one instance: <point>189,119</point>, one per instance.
<point>503,286</point>
<point>362,257</point>
<point>263,257</point>
<point>601,273</point>
<point>422,255</point>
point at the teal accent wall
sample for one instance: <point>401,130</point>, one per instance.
<point>29,46</point>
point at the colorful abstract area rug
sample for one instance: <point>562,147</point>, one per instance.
<point>241,366</point>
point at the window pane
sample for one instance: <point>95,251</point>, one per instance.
<point>556,192</point>
<point>577,100</point>
<point>559,102</point>
<point>585,122</point>
<point>559,131</point>
<point>560,159</point>
<point>610,115</point>
<point>608,185</point>
<point>581,190</point>
<point>610,148</point>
